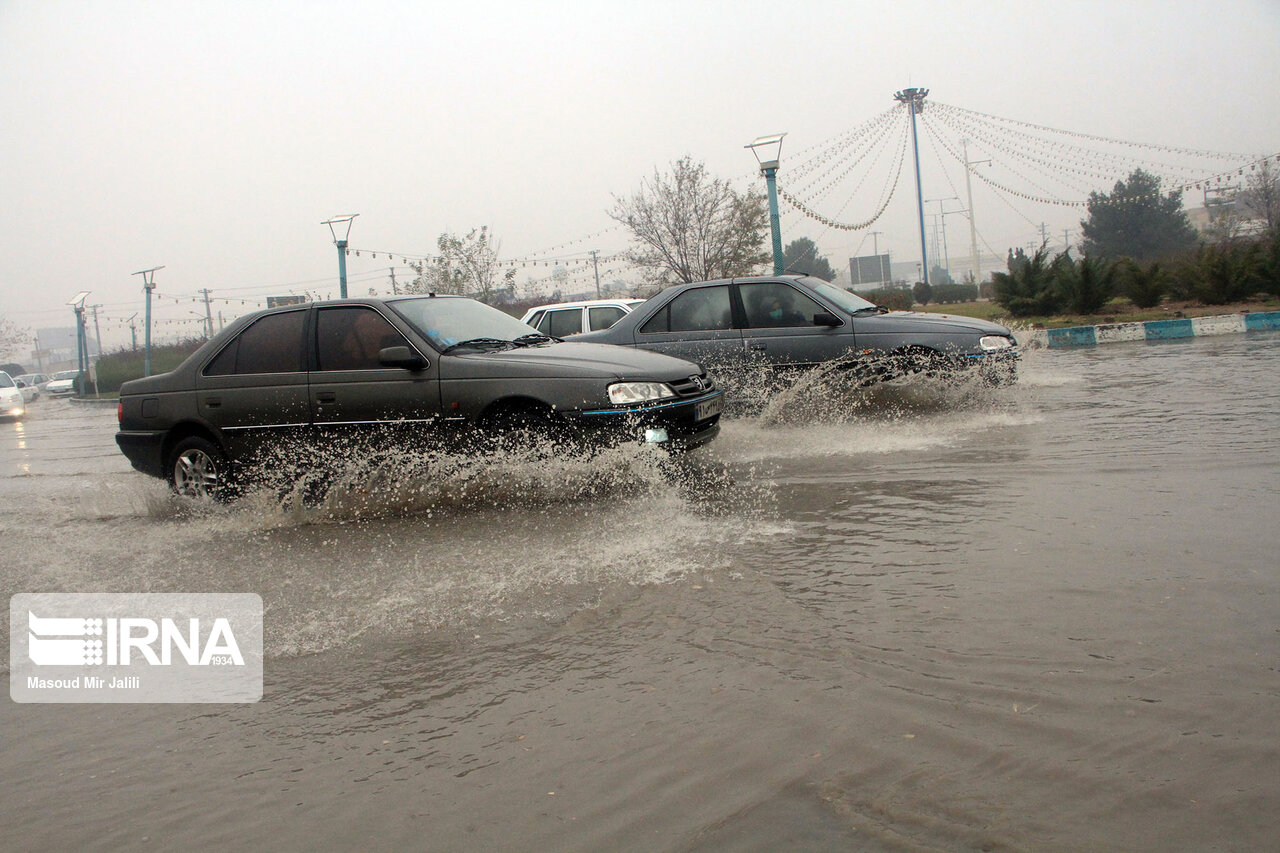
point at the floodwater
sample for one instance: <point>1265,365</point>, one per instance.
<point>924,617</point>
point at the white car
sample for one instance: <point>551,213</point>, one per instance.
<point>12,404</point>
<point>62,384</point>
<point>571,318</point>
<point>29,391</point>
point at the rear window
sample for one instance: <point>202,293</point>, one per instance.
<point>273,344</point>
<point>562,323</point>
<point>604,316</point>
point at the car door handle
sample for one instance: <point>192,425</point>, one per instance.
<point>760,347</point>
<point>326,397</point>
<point>213,402</point>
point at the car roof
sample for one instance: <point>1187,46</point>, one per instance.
<point>587,303</point>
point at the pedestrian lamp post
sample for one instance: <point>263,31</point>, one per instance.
<point>77,304</point>
<point>341,242</point>
<point>768,149</point>
<point>148,284</point>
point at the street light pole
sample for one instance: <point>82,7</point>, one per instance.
<point>772,146</point>
<point>77,304</point>
<point>341,243</point>
<point>148,285</point>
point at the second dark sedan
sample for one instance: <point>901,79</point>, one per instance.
<point>801,321</point>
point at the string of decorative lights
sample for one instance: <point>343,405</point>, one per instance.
<point>1088,162</point>
<point>1109,140</point>
<point>840,226</point>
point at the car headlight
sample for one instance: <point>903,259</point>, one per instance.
<point>622,393</point>
<point>991,343</point>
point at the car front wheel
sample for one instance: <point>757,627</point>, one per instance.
<point>198,469</point>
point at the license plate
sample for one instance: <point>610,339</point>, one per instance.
<point>708,408</point>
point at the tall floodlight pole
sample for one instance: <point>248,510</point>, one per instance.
<point>341,243</point>
<point>148,284</point>
<point>77,304</point>
<point>772,148</point>
<point>915,99</point>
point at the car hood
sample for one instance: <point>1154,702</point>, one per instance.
<point>917,322</point>
<point>569,359</point>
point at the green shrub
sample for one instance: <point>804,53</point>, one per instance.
<point>955,292</point>
<point>116,368</point>
<point>1029,288</point>
<point>1144,286</point>
<point>1084,286</point>
<point>1218,274</point>
<point>893,298</point>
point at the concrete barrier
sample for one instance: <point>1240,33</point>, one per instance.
<point>1152,330</point>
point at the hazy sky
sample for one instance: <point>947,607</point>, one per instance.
<point>214,137</point>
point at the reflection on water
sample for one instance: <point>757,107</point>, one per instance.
<point>918,615</point>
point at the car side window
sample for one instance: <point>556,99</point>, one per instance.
<point>604,316</point>
<point>350,338</point>
<point>772,305</point>
<point>536,318</point>
<point>273,344</point>
<point>698,310</point>
<point>565,322</point>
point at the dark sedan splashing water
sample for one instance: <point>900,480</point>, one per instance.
<point>917,616</point>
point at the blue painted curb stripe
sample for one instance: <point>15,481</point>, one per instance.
<point>1155,330</point>
<point>1162,330</point>
<point>1262,321</point>
<point>1075,336</point>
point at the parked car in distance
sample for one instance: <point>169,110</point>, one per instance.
<point>562,319</point>
<point>800,321</point>
<point>12,404</point>
<point>63,384</point>
<point>29,391</point>
<point>404,370</point>
<point>36,379</point>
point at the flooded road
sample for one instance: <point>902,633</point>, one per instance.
<point>1040,618</point>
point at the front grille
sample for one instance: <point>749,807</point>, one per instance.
<point>693,386</point>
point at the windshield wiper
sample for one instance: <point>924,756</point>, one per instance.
<point>535,338</point>
<point>477,343</point>
<point>878,309</point>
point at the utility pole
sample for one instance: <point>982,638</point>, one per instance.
<point>133,330</point>
<point>148,284</point>
<point>875,250</point>
<point>973,220</point>
<point>596,265</point>
<point>914,98</point>
<point>97,330</point>
<point>208,315</point>
<point>394,291</point>
<point>39,355</point>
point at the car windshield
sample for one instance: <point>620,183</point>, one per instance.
<point>67,374</point>
<point>5,381</point>
<point>850,302</point>
<point>448,321</point>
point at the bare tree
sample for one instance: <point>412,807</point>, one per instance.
<point>689,226</point>
<point>466,265</point>
<point>12,337</point>
<point>1261,195</point>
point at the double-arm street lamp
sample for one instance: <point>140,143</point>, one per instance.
<point>341,243</point>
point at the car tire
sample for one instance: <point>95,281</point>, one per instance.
<point>199,469</point>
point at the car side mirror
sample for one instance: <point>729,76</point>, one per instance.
<point>401,357</point>
<point>826,318</point>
